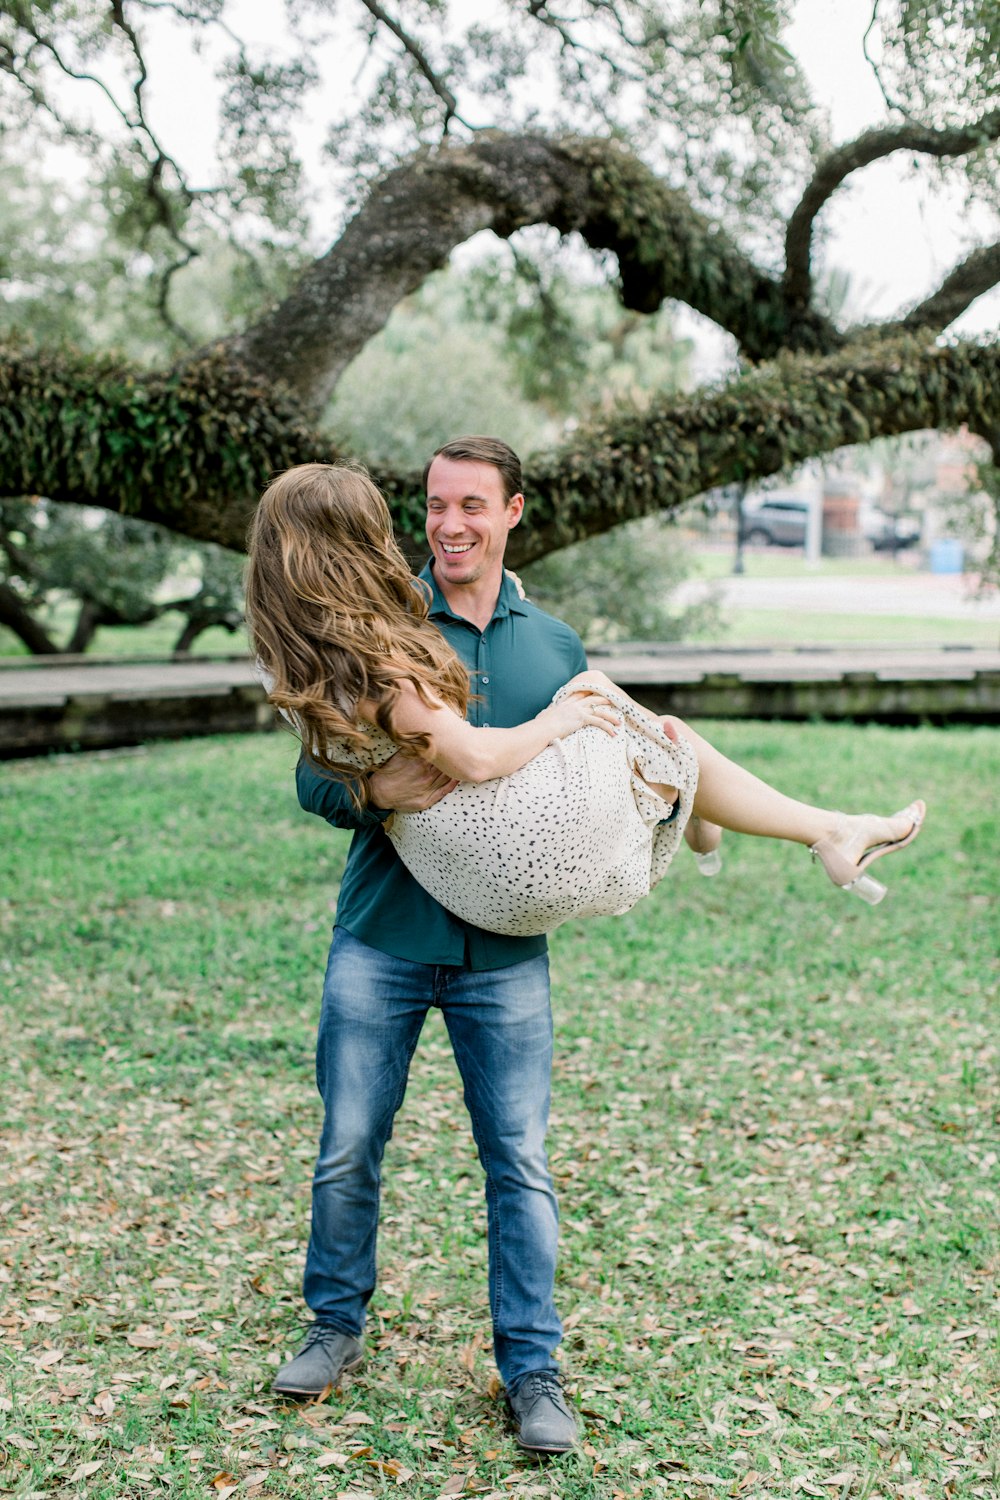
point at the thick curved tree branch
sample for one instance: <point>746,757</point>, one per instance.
<point>833,170</point>
<point>771,420</point>
<point>419,212</point>
<point>978,273</point>
<point>193,449</point>
<point>187,448</point>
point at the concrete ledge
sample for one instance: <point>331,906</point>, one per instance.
<point>72,705</point>
<point>99,721</point>
<point>865,684</point>
<point>859,698</point>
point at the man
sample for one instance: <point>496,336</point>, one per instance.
<point>396,952</point>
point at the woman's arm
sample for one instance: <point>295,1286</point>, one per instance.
<point>466,753</point>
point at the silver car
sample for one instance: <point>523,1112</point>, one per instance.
<point>777,521</point>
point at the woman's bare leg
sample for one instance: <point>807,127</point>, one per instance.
<point>701,836</point>
<point>735,799</point>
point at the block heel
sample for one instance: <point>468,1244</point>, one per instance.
<point>850,874</point>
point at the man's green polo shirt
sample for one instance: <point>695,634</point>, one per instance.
<point>516,664</point>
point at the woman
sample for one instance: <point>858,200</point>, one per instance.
<point>576,812</point>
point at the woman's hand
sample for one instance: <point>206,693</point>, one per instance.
<point>580,711</point>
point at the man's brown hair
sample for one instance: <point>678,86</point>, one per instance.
<point>483,450</point>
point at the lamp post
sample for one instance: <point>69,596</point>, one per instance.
<point>738,492</point>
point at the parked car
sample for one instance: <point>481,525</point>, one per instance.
<point>779,521</point>
<point>889,533</point>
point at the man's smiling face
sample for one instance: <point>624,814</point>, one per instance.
<point>468,518</point>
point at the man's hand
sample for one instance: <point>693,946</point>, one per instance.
<point>402,784</point>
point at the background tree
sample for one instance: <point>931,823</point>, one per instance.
<point>519,345</point>
<point>66,573</point>
<point>679,145</point>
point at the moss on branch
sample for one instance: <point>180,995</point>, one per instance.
<point>193,448</point>
<point>189,448</point>
<point>633,463</point>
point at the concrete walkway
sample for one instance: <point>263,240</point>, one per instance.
<point>72,704</point>
<point>641,662</point>
<point>944,596</point>
<point>57,678</point>
<point>80,704</point>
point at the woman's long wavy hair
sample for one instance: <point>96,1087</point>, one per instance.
<point>337,616</point>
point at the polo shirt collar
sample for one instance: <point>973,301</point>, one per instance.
<point>509,601</point>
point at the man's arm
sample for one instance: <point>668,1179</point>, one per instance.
<point>401,784</point>
<point>577,655</point>
<point>329,798</point>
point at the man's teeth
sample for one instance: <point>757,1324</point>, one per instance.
<point>453,550</point>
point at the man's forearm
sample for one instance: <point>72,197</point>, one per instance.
<point>329,798</point>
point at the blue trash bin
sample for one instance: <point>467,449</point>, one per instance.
<point>946,555</point>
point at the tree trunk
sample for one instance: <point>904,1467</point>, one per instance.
<point>17,619</point>
<point>87,621</point>
<point>196,625</point>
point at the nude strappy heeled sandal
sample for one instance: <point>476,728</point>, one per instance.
<point>850,874</point>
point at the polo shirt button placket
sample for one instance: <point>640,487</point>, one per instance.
<point>484,678</point>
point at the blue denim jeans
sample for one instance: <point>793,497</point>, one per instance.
<point>500,1026</point>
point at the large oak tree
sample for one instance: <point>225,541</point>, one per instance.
<point>678,143</point>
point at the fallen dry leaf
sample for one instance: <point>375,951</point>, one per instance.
<point>391,1466</point>
<point>84,1471</point>
<point>324,1460</point>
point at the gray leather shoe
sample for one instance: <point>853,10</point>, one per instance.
<point>326,1355</point>
<point>545,1423</point>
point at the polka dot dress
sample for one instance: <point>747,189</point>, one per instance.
<point>577,832</point>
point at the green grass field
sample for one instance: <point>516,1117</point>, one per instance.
<point>741,627</point>
<point>156,639</point>
<point>774,1137</point>
<point>769,627</point>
